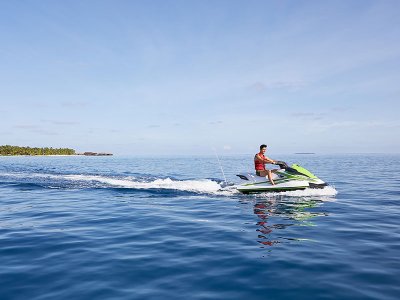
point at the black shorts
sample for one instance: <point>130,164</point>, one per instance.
<point>258,172</point>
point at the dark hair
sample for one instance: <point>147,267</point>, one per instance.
<point>263,146</point>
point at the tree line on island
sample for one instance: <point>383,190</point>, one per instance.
<point>17,150</point>
<point>8,150</point>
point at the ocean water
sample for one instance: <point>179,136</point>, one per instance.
<point>171,228</point>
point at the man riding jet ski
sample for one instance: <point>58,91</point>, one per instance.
<point>259,164</point>
<point>286,178</point>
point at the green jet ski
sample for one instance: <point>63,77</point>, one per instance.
<point>287,178</point>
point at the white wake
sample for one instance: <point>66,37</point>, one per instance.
<point>201,186</point>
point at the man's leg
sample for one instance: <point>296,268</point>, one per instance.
<point>269,173</point>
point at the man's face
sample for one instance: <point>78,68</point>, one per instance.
<point>263,150</point>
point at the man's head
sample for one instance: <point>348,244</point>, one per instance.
<point>263,148</point>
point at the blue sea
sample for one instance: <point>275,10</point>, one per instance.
<point>172,228</point>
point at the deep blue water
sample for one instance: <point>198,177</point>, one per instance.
<point>162,228</point>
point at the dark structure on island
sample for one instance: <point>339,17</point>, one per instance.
<point>96,154</point>
<point>304,153</point>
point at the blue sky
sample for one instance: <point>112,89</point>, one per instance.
<point>183,77</point>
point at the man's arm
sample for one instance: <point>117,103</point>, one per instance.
<point>269,160</point>
<point>257,157</point>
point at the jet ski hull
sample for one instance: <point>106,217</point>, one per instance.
<point>273,190</point>
<point>262,187</point>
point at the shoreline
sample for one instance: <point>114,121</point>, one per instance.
<point>42,155</point>
<point>53,155</point>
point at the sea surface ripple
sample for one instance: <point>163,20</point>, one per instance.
<point>172,228</point>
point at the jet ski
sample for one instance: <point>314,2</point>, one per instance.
<point>287,178</point>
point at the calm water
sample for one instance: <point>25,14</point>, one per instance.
<point>145,228</point>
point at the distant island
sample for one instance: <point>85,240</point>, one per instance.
<point>304,153</point>
<point>8,150</point>
<point>95,154</point>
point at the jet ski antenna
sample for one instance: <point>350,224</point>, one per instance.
<point>220,165</point>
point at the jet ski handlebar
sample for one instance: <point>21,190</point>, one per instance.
<point>281,164</point>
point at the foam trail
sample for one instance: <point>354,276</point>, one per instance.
<point>199,186</point>
<point>202,185</point>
